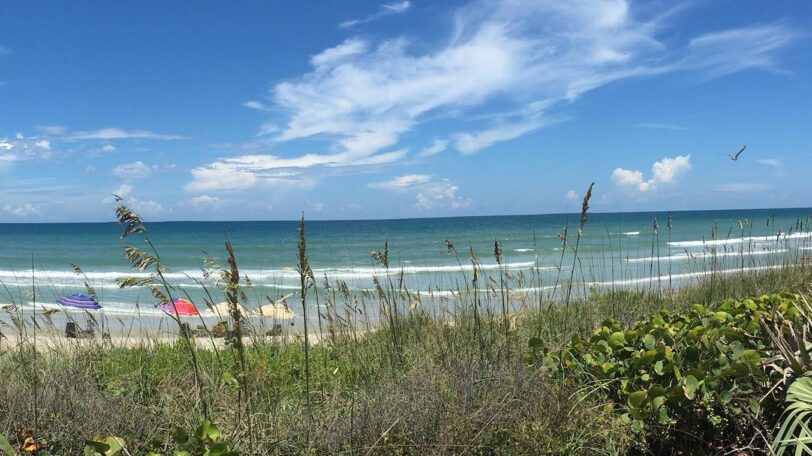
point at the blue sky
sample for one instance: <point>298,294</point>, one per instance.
<point>363,109</point>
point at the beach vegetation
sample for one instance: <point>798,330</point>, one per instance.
<point>720,365</point>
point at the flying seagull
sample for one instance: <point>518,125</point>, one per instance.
<point>736,157</point>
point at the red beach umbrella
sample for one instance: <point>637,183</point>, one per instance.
<point>181,308</point>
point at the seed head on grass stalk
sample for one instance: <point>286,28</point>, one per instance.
<point>306,280</point>
<point>388,300</point>
<point>581,223</point>
<point>161,289</point>
<point>497,255</point>
<point>231,279</point>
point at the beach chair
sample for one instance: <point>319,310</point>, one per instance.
<point>220,329</point>
<point>275,331</point>
<point>71,331</point>
<point>186,329</point>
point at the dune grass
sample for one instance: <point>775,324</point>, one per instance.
<point>453,388</point>
<point>416,381</point>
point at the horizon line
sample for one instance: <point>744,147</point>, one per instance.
<point>416,218</point>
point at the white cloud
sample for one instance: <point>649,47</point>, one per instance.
<point>53,129</point>
<point>741,187</point>
<point>118,133</point>
<point>362,96</point>
<point>725,52</point>
<point>123,191</point>
<point>469,143</point>
<point>436,147</point>
<point>442,194</point>
<point>774,162</point>
<point>135,170</point>
<point>25,210</point>
<point>21,148</point>
<point>401,182</point>
<point>143,207</point>
<point>667,169</point>
<point>247,171</point>
<point>429,193</point>
<point>502,71</point>
<point>205,201</point>
<point>386,9</point>
<point>254,104</point>
<point>664,171</point>
<point>146,207</point>
<point>572,195</point>
<point>334,55</point>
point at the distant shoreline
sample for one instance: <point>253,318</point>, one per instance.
<point>468,216</point>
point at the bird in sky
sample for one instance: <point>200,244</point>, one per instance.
<point>736,157</point>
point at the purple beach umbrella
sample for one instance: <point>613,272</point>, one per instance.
<point>79,301</point>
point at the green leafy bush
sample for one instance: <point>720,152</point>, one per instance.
<point>698,373</point>
<point>205,441</point>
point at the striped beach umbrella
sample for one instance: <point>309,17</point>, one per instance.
<point>181,308</point>
<point>79,301</point>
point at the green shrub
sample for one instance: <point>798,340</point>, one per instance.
<point>697,373</point>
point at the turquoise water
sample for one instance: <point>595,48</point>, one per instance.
<point>615,250</point>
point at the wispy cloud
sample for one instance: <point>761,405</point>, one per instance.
<point>247,171</point>
<point>26,210</point>
<point>774,162</point>
<point>204,202</point>
<point>142,206</point>
<point>402,182</point>
<point>135,170</point>
<point>504,72</point>
<point>436,147</point>
<point>387,9</point>
<point>664,171</point>
<point>544,52</point>
<point>19,148</point>
<point>721,53</point>
<point>741,187</point>
<point>469,143</point>
<point>258,105</point>
<point>119,133</point>
<point>428,193</point>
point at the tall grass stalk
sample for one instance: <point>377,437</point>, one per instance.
<point>581,224</point>
<point>159,286</point>
<point>305,281</point>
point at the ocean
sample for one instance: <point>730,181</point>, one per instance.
<point>615,250</point>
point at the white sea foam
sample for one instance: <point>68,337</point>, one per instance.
<point>108,308</point>
<point>632,233</point>
<point>678,277</point>
<point>747,239</point>
<point>523,250</point>
<point>266,277</point>
<point>703,255</point>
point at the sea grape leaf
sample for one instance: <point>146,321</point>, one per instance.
<point>617,339</point>
<point>689,386</point>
